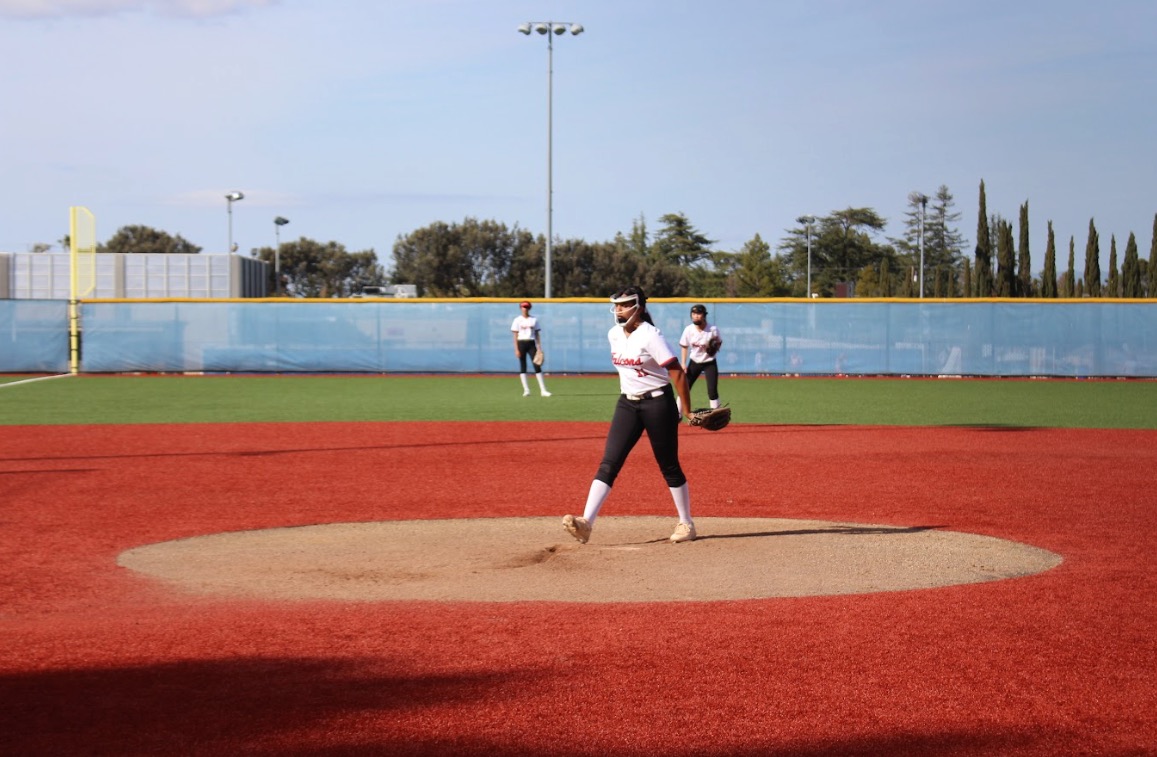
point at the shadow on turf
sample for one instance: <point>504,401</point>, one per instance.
<point>304,450</point>
<point>742,428</point>
<point>311,707</point>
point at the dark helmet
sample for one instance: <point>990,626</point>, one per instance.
<point>700,309</point>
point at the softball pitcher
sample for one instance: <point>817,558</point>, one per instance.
<point>648,369</point>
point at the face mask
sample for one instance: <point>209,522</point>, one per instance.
<point>621,319</point>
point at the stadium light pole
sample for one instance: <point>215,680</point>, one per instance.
<point>550,28</point>
<point>923,200</point>
<point>277,224</point>
<point>231,198</point>
<point>807,222</point>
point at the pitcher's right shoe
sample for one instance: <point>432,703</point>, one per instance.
<point>579,528</point>
<point>683,532</point>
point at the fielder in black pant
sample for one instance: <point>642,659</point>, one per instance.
<point>698,345</point>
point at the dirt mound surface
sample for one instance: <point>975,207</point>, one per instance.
<point>628,559</point>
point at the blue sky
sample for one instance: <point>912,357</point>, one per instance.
<point>362,120</point>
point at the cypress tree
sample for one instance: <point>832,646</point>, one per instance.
<point>1093,262</point>
<point>966,280</point>
<point>1024,259</point>
<point>1048,277</point>
<point>1005,285</point>
<point>984,249</point>
<point>1114,289</point>
<point>1071,275</point>
<point>1153,261</point>
<point>1131,270</point>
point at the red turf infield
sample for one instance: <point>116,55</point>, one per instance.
<point>97,660</point>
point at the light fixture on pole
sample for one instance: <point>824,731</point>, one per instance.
<point>550,28</point>
<point>807,222</point>
<point>231,198</point>
<point>919,197</point>
<point>278,222</point>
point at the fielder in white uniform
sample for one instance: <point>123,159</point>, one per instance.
<point>528,343</point>
<point>695,356</point>
<point>648,369</point>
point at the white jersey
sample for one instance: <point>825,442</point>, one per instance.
<point>526,326</point>
<point>696,339</point>
<point>641,358</point>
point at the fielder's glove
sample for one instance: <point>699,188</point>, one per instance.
<point>539,357</point>
<point>713,345</point>
<point>711,419</point>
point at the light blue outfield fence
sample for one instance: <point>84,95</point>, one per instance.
<point>905,337</point>
<point>34,336</point>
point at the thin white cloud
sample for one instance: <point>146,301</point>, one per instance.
<point>54,9</point>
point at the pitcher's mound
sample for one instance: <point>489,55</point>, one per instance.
<point>628,559</point>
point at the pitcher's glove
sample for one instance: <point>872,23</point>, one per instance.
<point>713,345</point>
<point>711,419</point>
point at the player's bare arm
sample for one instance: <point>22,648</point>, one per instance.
<point>679,381</point>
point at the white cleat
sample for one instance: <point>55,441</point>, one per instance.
<point>577,527</point>
<point>683,532</point>
<point>545,393</point>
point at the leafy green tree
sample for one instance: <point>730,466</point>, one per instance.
<point>1071,274</point>
<point>793,258</point>
<point>471,259</point>
<point>595,270</point>
<point>1048,277</point>
<point>908,246</point>
<point>844,246</point>
<point>680,259</point>
<point>1114,285</point>
<point>984,283</point>
<point>1131,270</point>
<point>145,239</point>
<point>1093,262</point>
<point>638,243</point>
<point>756,273</point>
<point>966,289</point>
<point>679,242</point>
<point>1024,259</point>
<point>943,243</point>
<point>902,283</point>
<point>314,269</point>
<point>1005,284</point>
<point>868,282</point>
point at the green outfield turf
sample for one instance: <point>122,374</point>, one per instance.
<point>904,402</point>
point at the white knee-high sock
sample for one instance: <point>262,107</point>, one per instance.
<point>682,497</point>
<point>525,386</point>
<point>714,404</point>
<point>541,383</point>
<point>595,498</point>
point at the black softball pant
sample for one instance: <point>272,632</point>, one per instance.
<point>659,417</point>
<point>708,369</point>
<point>527,347</point>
